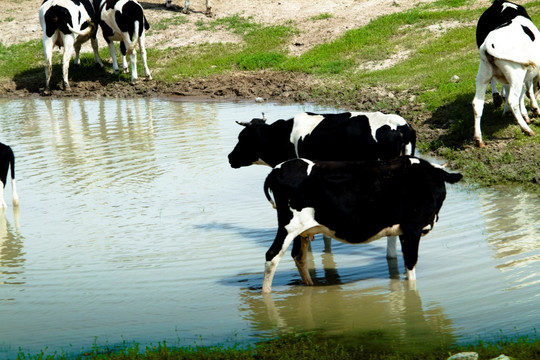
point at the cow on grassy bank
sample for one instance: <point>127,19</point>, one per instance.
<point>67,24</point>
<point>124,21</point>
<point>353,202</point>
<point>510,54</point>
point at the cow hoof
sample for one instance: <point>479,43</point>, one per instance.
<point>480,143</point>
<point>148,77</point>
<point>208,12</point>
<point>47,92</point>
<point>530,133</point>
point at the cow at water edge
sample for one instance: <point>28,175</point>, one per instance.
<point>124,21</point>
<point>353,202</point>
<point>67,24</point>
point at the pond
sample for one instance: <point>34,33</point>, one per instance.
<point>132,227</point>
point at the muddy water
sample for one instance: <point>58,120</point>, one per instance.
<point>133,227</point>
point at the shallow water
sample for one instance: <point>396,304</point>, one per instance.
<point>133,227</point>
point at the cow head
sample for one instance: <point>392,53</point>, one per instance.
<point>248,149</point>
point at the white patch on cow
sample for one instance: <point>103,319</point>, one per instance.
<point>414,161</point>
<point>310,164</point>
<point>303,125</point>
<point>507,5</point>
<point>378,120</point>
<point>301,221</point>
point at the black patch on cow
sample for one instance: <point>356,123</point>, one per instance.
<point>131,12</point>
<point>57,18</point>
<point>495,17</point>
<point>107,31</point>
<point>528,31</point>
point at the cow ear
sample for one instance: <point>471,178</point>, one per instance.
<point>243,123</point>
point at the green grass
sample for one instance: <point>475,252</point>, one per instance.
<point>305,346</point>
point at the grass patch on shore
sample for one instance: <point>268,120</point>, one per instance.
<point>304,346</point>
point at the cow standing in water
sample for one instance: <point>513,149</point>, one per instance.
<point>345,136</point>
<point>7,159</point>
<point>353,202</point>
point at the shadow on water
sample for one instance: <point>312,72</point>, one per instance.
<point>457,119</point>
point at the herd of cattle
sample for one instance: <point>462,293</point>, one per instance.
<point>351,176</point>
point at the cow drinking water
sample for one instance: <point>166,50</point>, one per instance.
<point>353,202</point>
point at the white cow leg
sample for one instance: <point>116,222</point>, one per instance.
<point>112,51</point>
<point>68,51</point>
<point>15,196</point>
<point>143,57</point>
<point>133,61</point>
<point>482,80</point>
<point>391,247</point>
<point>3,204</point>
<point>514,102</point>
<point>270,266</point>
<point>48,50</point>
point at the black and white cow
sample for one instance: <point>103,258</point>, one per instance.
<point>124,21</point>
<point>344,136</point>
<point>168,3</point>
<point>67,24</point>
<point>502,12</point>
<point>354,202</point>
<point>7,159</point>
<point>510,54</point>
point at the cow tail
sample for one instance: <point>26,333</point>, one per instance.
<point>267,190</point>
<point>146,24</point>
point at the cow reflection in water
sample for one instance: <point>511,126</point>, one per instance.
<point>394,312</point>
